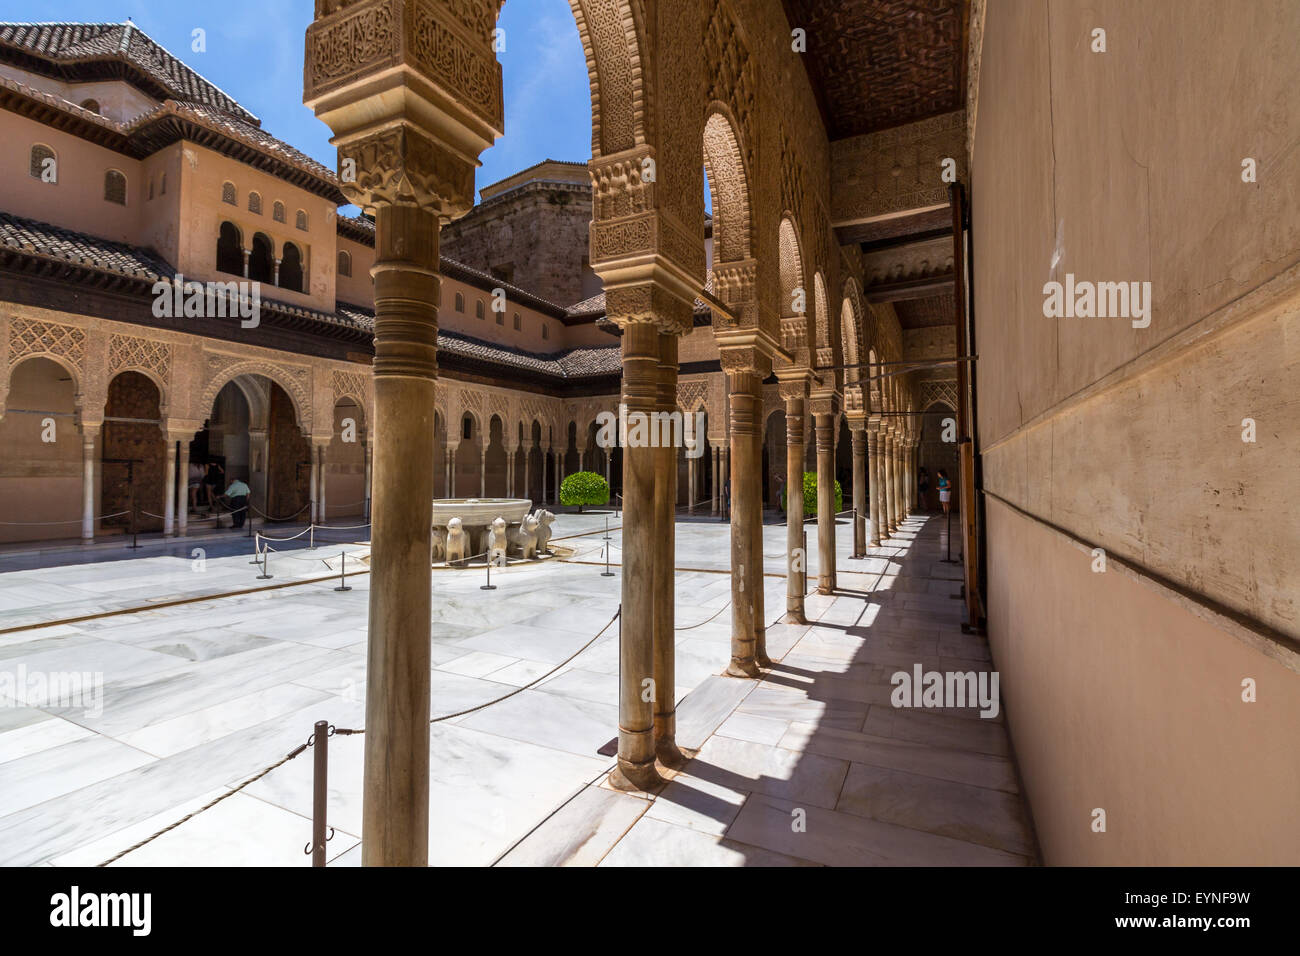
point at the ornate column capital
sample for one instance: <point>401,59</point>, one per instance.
<point>824,402</point>
<point>649,303</point>
<point>412,92</point>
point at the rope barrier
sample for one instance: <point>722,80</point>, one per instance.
<point>517,690</point>
<point>208,806</point>
<point>32,524</point>
<point>273,518</point>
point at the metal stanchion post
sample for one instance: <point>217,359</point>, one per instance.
<point>606,527</point>
<point>343,567</point>
<point>265,575</point>
<point>607,573</point>
<point>311,534</point>
<point>320,790</point>
<point>489,586</point>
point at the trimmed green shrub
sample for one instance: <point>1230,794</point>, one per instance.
<point>584,488</point>
<point>810,495</point>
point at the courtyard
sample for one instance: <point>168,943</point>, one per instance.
<point>202,694</point>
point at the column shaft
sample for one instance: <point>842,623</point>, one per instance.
<point>746,515</point>
<point>888,517</point>
<point>88,483</point>
<point>636,747</point>
<point>395,808</point>
<point>825,423</point>
<point>877,485</point>
<point>860,507</point>
<point>169,489</point>
<point>665,575</point>
<point>796,558</point>
<point>183,491</point>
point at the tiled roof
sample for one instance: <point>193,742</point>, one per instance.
<point>72,43</point>
<point>44,239</point>
<point>593,306</point>
<point>577,363</point>
<point>236,128</point>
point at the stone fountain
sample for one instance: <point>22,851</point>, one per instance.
<point>527,533</point>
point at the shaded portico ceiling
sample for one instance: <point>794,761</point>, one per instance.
<point>875,64</point>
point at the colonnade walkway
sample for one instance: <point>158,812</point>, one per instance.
<point>812,765</point>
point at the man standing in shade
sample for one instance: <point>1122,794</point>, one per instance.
<point>237,494</point>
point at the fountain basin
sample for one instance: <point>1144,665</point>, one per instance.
<point>480,512</point>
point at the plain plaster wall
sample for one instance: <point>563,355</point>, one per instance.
<point>1126,166</point>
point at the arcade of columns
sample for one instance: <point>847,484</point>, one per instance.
<point>412,92</point>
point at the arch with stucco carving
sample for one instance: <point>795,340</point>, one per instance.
<point>611,32</point>
<point>295,391</point>
<point>724,167</point>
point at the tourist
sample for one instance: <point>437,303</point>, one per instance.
<point>945,490</point>
<point>212,483</point>
<point>237,495</point>
<point>923,483</point>
<point>195,483</point>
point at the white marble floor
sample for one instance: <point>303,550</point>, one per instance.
<point>196,697</point>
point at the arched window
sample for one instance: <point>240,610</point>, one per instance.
<point>546,331</point>
<point>261,262</point>
<point>255,203</point>
<point>151,187</point>
<point>345,264</point>
<point>460,302</point>
<point>277,211</point>
<point>44,164</point>
<point>300,220</point>
<point>228,194</point>
<point>163,190</point>
<point>501,318</point>
<point>478,309</point>
<point>516,321</point>
<point>115,187</point>
<point>467,429</point>
<point>291,268</point>
<point>91,106</point>
<point>230,250</point>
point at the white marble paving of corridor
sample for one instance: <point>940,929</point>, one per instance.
<point>200,696</point>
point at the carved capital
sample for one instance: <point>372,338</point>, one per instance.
<point>736,285</point>
<point>401,165</point>
<point>746,359</point>
<point>648,303</point>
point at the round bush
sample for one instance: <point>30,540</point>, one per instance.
<point>584,488</point>
<point>810,495</point>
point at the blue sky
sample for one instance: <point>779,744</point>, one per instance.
<point>255,52</point>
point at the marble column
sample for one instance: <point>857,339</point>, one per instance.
<point>395,807</point>
<point>451,470</point>
<point>322,454</point>
<point>482,467</point>
<point>877,483</point>
<point>559,467</point>
<point>745,383</point>
<point>370,457</point>
<point>637,692</point>
<point>169,488</point>
<point>795,393</point>
<point>825,425</point>
<point>900,492</point>
<point>545,469</point>
<point>412,137</point>
<point>665,575</point>
<point>690,484</point>
<point>182,525</point>
<point>860,506</point>
<point>714,461</point>
<point>724,456</point>
<point>528,468</point>
<point>886,458</point>
<point>88,435</point>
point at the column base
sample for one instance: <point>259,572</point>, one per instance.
<point>669,754</point>
<point>742,668</point>
<point>763,661</point>
<point>823,589</point>
<point>628,776</point>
